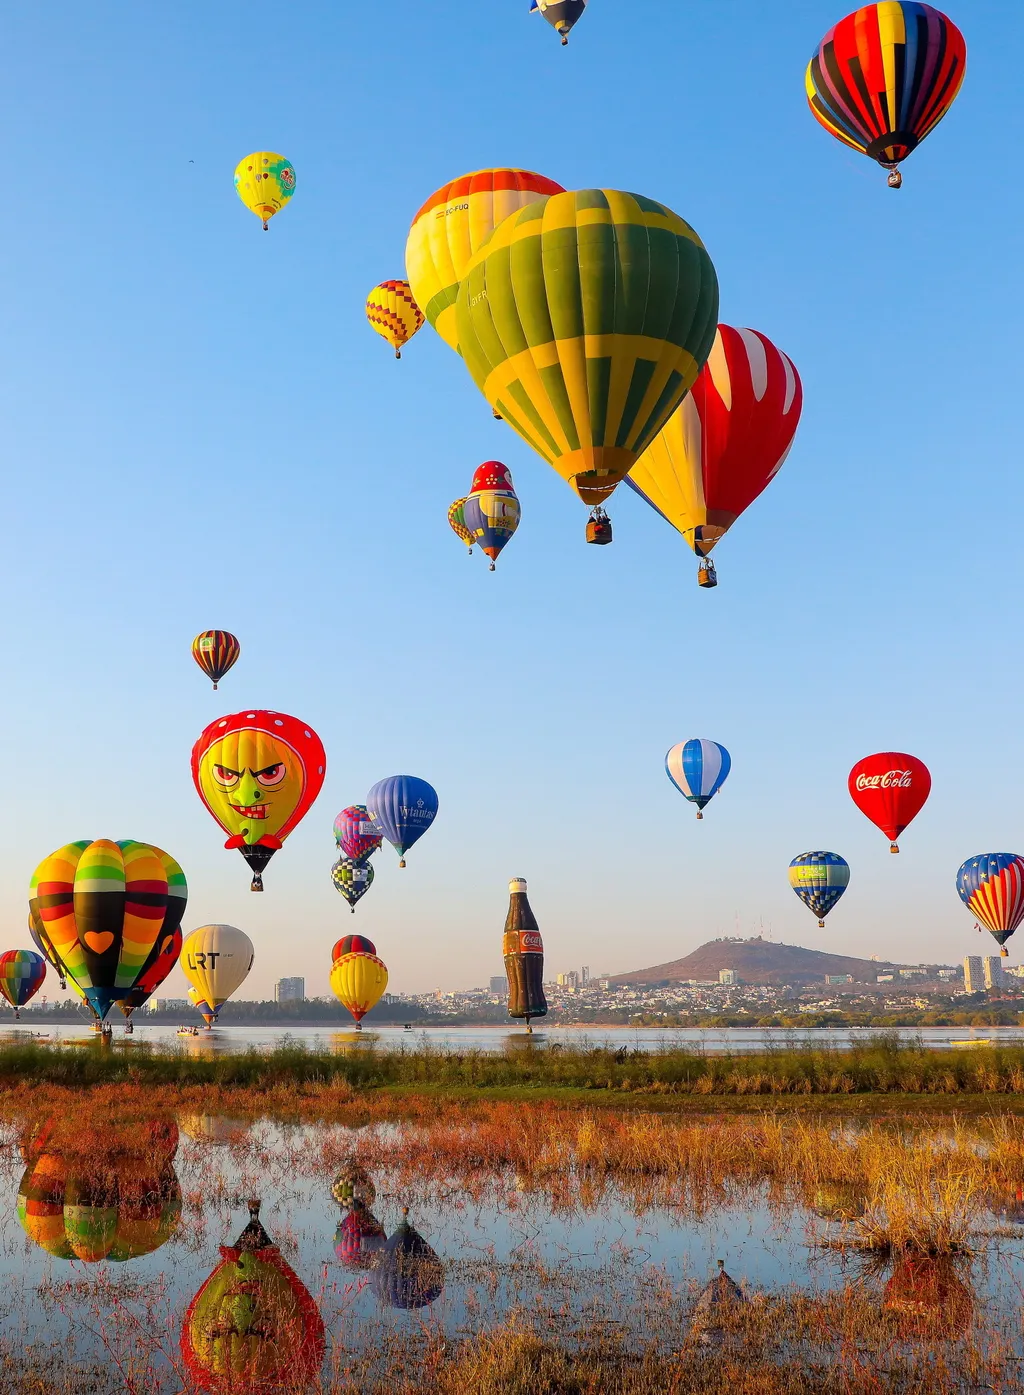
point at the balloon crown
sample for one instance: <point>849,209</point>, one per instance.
<point>492,474</point>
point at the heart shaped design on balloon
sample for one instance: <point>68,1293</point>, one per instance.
<point>99,941</point>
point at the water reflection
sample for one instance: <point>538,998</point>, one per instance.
<point>408,1274</point>
<point>839,1201</point>
<point>213,1128</point>
<point>716,1305</point>
<point>253,1325</point>
<point>930,1297</point>
<point>113,1195</point>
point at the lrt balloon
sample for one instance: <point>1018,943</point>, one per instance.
<point>355,834</point>
<point>253,1326</point>
<point>22,973</point>
<point>584,321</point>
<point>402,808</point>
<point>216,651</point>
<point>726,441</point>
<point>491,510</point>
<point>890,789</point>
<point>393,313</point>
<point>216,960</point>
<point>264,182</point>
<point>819,879</point>
<point>352,879</point>
<point>991,886</point>
<point>452,225</point>
<point>884,77</point>
<point>109,910</point>
<point>259,773</point>
<point>457,523</point>
<point>358,982</point>
<point>560,14</point>
<point>352,944</point>
<point>698,769</point>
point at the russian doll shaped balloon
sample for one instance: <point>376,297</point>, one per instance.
<point>491,510</point>
<point>259,773</point>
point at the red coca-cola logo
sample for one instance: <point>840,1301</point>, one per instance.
<point>530,942</point>
<point>891,780</point>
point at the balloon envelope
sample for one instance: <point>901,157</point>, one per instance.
<point>890,789</point>
<point>353,944</point>
<point>991,886</point>
<point>393,313</point>
<point>885,76</point>
<point>216,651</point>
<point>698,769</point>
<point>352,879</point>
<point>22,973</point>
<point>108,909</point>
<point>584,321</point>
<point>560,14</point>
<point>402,808</point>
<point>725,442</point>
<point>452,225</point>
<point>358,982</point>
<point>216,960</point>
<point>819,879</point>
<point>408,1273</point>
<point>265,182</point>
<point>491,511</point>
<point>152,977</point>
<point>355,834</point>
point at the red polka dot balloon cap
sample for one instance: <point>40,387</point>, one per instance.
<point>492,474</point>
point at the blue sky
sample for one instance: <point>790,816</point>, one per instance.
<point>201,430</point>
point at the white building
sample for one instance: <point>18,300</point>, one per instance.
<point>499,986</point>
<point>290,990</point>
<point>168,1005</point>
<point>974,974</point>
<point>993,966</point>
<point>727,976</point>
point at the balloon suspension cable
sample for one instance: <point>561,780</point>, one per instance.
<point>894,847</point>
<point>895,179</point>
<point>257,882</point>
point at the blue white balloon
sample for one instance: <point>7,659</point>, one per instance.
<point>698,769</point>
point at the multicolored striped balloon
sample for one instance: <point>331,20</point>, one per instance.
<point>355,834</point>
<point>109,910</point>
<point>884,77</point>
<point>22,972</point>
<point>393,313</point>
<point>215,651</point>
<point>819,879</point>
<point>584,321</point>
<point>991,886</point>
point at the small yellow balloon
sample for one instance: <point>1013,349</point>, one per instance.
<point>358,982</point>
<point>264,182</point>
<point>393,313</point>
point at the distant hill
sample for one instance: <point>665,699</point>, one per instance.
<point>759,961</point>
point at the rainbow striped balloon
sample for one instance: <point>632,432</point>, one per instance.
<point>108,909</point>
<point>991,886</point>
<point>22,972</point>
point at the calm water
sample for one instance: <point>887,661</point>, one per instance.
<point>710,1040</point>
<point>602,1258</point>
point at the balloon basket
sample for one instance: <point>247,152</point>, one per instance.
<point>895,180</point>
<point>257,883</point>
<point>401,862</point>
<point>398,353</point>
<point>214,687</point>
<point>894,847</point>
<point>1003,951</point>
<point>821,925</point>
<point>700,817</point>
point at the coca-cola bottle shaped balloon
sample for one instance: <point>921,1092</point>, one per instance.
<point>890,789</point>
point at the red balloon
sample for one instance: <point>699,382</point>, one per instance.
<point>353,944</point>
<point>890,788</point>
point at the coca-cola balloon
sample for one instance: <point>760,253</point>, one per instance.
<point>890,789</point>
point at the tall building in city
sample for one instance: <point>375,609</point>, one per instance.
<point>290,990</point>
<point>974,974</point>
<point>499,986</point>
<point>993,966</point>
<point>585,976</point>
<point>727,976</point>
<point>569,980</point>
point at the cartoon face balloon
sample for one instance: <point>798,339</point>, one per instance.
<point>258,772</point>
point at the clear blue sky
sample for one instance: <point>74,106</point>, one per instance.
<point>201,430</point>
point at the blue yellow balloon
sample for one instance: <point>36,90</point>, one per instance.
<point>819,879</point>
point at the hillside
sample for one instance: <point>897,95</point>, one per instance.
<point>759,961</point>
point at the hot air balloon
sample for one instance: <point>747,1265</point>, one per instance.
<point>991,886</point>
<point>358,982</point>
<point>584,321</point>
<point>393,313</point>
<point>216,651</point>
<point>42,942</point>
<point>151,979</point>
<point>725,442</point>
<point>884,77</point>
<point>402,808</point>
<point>253,1326</point>
<point>216,960</point>
<point>352,944</point>
<point>929,1298</point>
<point>453,224</point>
<point>408,1273</point>
<point>457,523</point>
<point>352,1184</point>
<point>264,182</point>
<point>890,789</point>
<point>22,973</point>
<point>698,769</point>
<point>258,773</point>
<point>819,879</point>
<point>355,834</point>
<point>352,879</point>
<point>491,510</point>
<point>108,909</point>
<point>560,14</point>
<point>359,1238</point>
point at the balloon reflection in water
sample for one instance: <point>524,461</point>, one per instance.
<point>213,1128</point>
<point>89,1196</point>
<point>360,1237</point>
<point>253,1326</point>
<point>928,1297</point>
<point>408,1273</point>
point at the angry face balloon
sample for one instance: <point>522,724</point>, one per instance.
<point>258,773</point>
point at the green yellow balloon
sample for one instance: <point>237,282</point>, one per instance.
<point>264,182</point>
<point>584,320</point>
